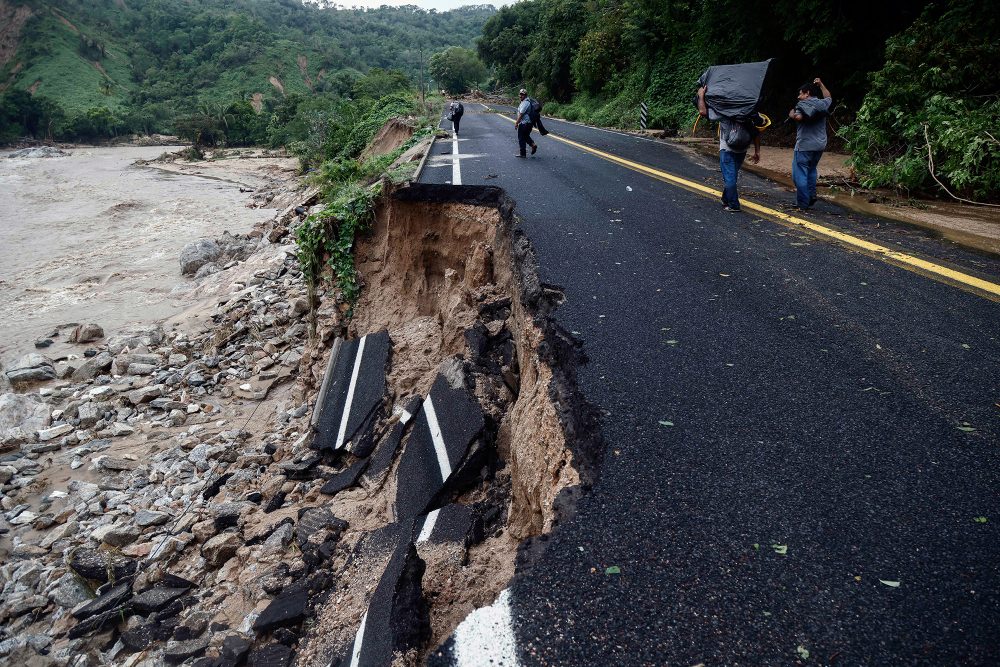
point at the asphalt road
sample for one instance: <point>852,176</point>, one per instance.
<point>802,440</point>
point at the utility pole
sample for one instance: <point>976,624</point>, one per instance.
<point>423,102</point>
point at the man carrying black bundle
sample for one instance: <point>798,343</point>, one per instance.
<point>810,139</point>
<point>524,125</point>
<point>735,137</point>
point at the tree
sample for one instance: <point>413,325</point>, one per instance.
<point>457,69</point>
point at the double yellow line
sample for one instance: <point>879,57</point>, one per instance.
<point>979,286</point>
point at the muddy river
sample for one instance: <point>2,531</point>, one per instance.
<point>91,237</point>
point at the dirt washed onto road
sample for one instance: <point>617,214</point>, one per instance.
<point>91,236</point>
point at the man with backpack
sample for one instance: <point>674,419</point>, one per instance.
<point>455,112</point>
<point>809,114</point>
<point>529,114</point>
<point>735,138</point>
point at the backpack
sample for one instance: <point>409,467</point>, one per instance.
<point>535,112</point>
<point>457,109</point>
<point>738,137</point>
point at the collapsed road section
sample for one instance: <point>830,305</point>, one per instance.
<point>449,424</point>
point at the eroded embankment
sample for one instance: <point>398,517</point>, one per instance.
<point>178,503</point>
<point>455,287</point>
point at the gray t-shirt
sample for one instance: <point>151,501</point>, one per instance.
<point>525,110</point>
<point>811,132</point>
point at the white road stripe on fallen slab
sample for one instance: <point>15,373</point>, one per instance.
<point>358,642</point>
<point>438,438</point>
<point>425,532</point>
<point>350,395</point>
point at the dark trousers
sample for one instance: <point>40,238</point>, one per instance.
<point>524,137</point>
<point>730,163</point>
<point>455,121</point>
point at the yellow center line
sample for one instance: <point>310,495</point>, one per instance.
<point>925,267</point>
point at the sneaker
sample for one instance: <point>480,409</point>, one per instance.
<point>534,148</point>
<point>520,155</point>
<point>730,209</point>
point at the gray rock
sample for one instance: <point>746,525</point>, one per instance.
<point>148,336</point>
<point>88,415</point>
<point>47,434</point>
<point>119,428</point>
<point>115,464</point>
<point>31,367</point>
<point>146,394</point>
<point>207,270</point>
<point>92,367</point>
<point>122,536</point>
<point>86,333</point>
<point>111,599</point>
<point>196,255</point>
<point>141,369</point>
<point>220,548</point>
<point>70,591</point>
<point>24,412</point>
<point>7,473</point>
<point>146,518</point>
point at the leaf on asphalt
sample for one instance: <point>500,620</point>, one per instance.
<point>664,422</point>
<point>756,546</point>
<point>980,519</point>
<point>671,342</point>
<point>629,188</point>
<point>724,275</point>
<point>614,569</point>
<point>890,584</point>
<point>966,427</point>
<point>780,549</point>
<point>802,651</point>
<point>966,346</point>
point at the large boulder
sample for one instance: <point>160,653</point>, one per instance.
<point>23,412</point>
<point>31,367</point>
<point>197,254</point>
<point>92,367</point>
<point>86,333</point>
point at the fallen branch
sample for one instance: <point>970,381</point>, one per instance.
<point>930,167</point>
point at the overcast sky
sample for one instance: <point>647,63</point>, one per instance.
<point>440,5</point>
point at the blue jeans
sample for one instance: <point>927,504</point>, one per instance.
<point>730,164</point>
<point>804,175</point>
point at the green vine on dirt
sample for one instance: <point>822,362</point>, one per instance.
<point>330,234</point>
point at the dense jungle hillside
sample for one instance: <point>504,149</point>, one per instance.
<point>78,69</point>
<point>905,74</point>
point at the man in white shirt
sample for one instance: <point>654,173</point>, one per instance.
<point>523,125</point>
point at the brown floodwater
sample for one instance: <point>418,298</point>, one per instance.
<point>92,237</point>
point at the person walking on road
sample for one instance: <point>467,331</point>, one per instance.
<point>523,125</point>
<point>735,138</point>
<point>810,139</point>
<point>455,112</point>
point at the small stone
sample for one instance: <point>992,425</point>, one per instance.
<point>119,429</point>
<point>176,652</point>
<point>220,548</point>
<point>51,433</point>
<point>88,415</point>
<point>146,518</point>
<point>146,394</point>
<point>115,463</point>
<point>122,536</point>
<point>289,608</point>
<point>141,369</point>
<point>155,599</point>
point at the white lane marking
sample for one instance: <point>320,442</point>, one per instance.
<point>438,438</point>
<point>405,416</point>
<point>486,636</point>
<point>350,395</point>
<point>425,532</point>
<point>456,168</point>
<point>358,640</point>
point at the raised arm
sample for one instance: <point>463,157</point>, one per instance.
<point>823,89</point>
<point>702,107</point>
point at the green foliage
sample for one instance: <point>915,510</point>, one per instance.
<point>933,88</point>
<point>152,62</point>
<point>330,234</point>
<point>456,69</point>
